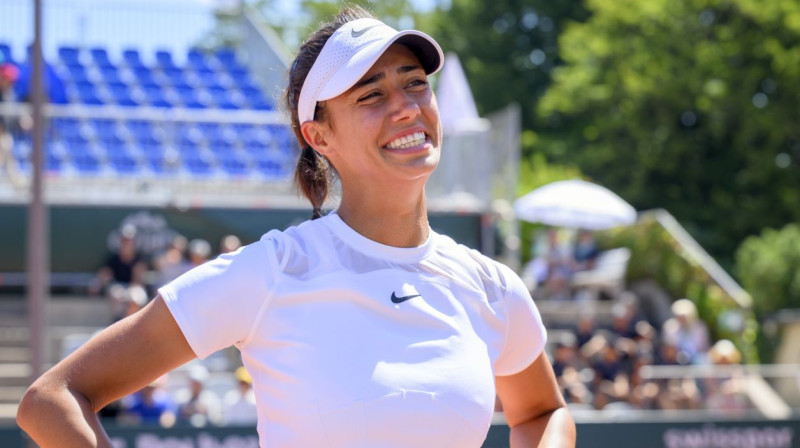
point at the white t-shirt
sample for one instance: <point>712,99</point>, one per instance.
<point>352,343</point>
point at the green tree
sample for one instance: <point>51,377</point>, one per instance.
<point>689,105</point>
<point>769,268</point>
<point>507,47</point>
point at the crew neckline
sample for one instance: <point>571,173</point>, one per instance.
<point>374,248</point>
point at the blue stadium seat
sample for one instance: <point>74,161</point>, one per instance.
<point>197,61</point>
<point>5,52</point>
<point>174,74</point>
<point>270,168</point>
<point>63,124</point>
<point>77,74</point>
<point>156,98</point>
<point>210,80</point>
<point>86,163</point>
<point>189,137</point>
<point>53,163</point>
<point>69,55</point>
<point>88,95</point>
<point>227,57</point>
<point>110,75</point>
<point>122,96</point>
<point>105,129</point>
<point>164,59</point>
<point>145,77</point>
<point>121,161</point>
<point>156,162</point>
<point>233,165</point>
<point>190,99</point>
<point>100,57</point>
<point>132,58</point>
<point>196,165</point>
<point>22,148</point>
<point>239,75</point>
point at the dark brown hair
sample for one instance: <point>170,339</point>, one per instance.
<point>313,174</point>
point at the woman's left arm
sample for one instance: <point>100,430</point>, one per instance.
<point>534,408</point>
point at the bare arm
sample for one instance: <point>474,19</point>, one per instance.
<point>534,408</point>
<point>59,408</point>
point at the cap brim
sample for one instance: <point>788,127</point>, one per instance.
<point>423,46</point>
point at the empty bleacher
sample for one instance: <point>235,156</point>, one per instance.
<point>134,115</point>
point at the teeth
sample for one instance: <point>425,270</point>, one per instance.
<point>407,141</point>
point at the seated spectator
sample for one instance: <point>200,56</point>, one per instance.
<point>8,76</point>
<point>126,300</point>
<point>585,329</point>
<point>199,252</point>
<point>725,393</point>
<point>564,355</point>
<point>152,405</point>
<point>240,403</point>
<point>196,405</point>
<point>586,251</point>
<point>229,243</point>
<point>559,268</point>
<point>686,332</point>
<point>125,266</point>
<point>170,264</point>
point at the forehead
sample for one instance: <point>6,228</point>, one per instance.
<point>396,55</point>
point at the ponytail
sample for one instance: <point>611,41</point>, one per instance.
<point>312,176</point>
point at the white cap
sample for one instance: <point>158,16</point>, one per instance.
<point>351,51</point>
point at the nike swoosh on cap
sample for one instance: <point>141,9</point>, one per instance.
<point>358,33</point>
<point>402,299</point>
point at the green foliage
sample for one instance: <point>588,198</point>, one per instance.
<point>769,268</point>
<point>687,105</point>
<point>656,255</point>
<point>507,47</point>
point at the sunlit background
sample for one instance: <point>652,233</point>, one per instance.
<point>669,278</point>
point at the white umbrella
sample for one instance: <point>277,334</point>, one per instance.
<point>575,203</point>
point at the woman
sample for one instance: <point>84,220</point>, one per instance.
<point>361,328</point>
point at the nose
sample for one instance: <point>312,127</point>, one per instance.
<point>405,106</point>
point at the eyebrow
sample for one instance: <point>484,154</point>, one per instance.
<point>379,76</point>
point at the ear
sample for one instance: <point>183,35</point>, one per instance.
<point>317,135</point>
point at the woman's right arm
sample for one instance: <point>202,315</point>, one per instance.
<point>59,408</point>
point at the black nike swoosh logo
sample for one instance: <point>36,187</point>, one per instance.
<point>402,299</point>
<point>358,33</point>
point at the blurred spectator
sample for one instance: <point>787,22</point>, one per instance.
<point>229,243</point>
<point>564,355</point>
<point>8,76</point>
<point>622,323</point>
<point>196,405</point>
<point>559,268</point>
<point>726,392</point>
<point>585,330</point>
<point>608,364</point>
<point>152,405</point>
<point>124,267</point>
<point>170,264</point>
<point>686,332</point>
<point>586,251</point>
<point>199,252</point>
<point>240,403</point>
<point>126,300</point>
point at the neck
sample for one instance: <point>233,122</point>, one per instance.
<point>391,219</point>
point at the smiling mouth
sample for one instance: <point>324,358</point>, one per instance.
<point>408,141</point>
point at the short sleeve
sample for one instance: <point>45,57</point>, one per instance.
<point>525,336</point>
<point>217,303</point>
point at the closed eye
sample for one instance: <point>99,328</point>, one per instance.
<point>368,96</point>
